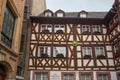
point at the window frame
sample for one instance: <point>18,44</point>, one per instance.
<point>68,73</point>
<point>86,73</point>
<point>99,47</point>
<point>103,73</point>
<point>59,28</point>
<point>48,14</point>
<point>86,29</point>
<point>35,72</point>
<point>48,30</point>
<point>86,50</point>
<point>83,15</point>
<point>7,37</point>
<point>39,54</point>
<point>64,55</point>
<point>96,29</point>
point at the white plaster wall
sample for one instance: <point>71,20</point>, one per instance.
<point>31,75</point>
<point>113,76</point>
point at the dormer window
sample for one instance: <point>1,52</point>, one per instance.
<point>48,14</point>
<point>83,15</point>
<point>59,13</point>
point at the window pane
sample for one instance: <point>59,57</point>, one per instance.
<point>59,51</point>
<point>8,27</point>
<point>44,51</point>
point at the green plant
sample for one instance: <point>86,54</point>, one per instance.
<point>86,32</point>
<point>59,31</point>
<point>97,32</point>
<point>60,55</point>
<point>87,56</point>
<point>44,55</point>
<point>100,56</point>
<point>45,31</point>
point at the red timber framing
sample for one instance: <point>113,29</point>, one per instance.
<point>74,59</point>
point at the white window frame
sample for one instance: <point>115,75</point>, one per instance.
<point>85,28</point>
<point>99,52</point>
<point>85,77</point>
<point>41,76</point>
<point>45,47</point>
<point>59,50</point>
<point>60,27</point>
<point>48,14</point>
<point>87,51</point>
<point>96,28</point>
<point>47,27</point>
<point>83,15</point>
<point>59,14</point>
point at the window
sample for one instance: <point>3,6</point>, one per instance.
<point>41,76</point>
<point>87,52</point>
<point>68,77</point>
<point>99,51</point>
<point>44,51</point>
<point>48,14</point>
<point>86,29</point>
<point>46,28</point>
<point>96,29</point>
<point>85,77</point>
<point>8,27</point>
<point>19,70</point>
<point>59,14</point>
<point>102,77</point>
<point>59,51</point>
<point>83,15</point>
<point>59,29</point>
<point>22,43</point>
<point>117,48</point>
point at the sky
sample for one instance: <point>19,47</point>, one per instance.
<point>78,5</point>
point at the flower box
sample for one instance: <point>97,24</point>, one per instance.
<point>44,55</point>
<point>87,56</point>
<point>60,55</point>
<point>59,31</point>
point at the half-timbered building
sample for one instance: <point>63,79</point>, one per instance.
<point>75,45</point>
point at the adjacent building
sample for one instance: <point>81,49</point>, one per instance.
<point>75,45</point>
<point>11,17</point>
<point>31,8</point>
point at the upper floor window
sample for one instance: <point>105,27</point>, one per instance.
<point>41,76</point>
<point>96,29</point>
<point>85,29</point>
<point>46,28</point>
<point>59,29</point>
<point>44,51</point>
<point>87,52</point>
<point>59,52</point>
<point>8,27</point>
<point>100,53</point>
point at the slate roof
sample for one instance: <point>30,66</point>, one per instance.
<point>75,14</point>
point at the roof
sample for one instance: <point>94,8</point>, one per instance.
<point>75,14</point>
